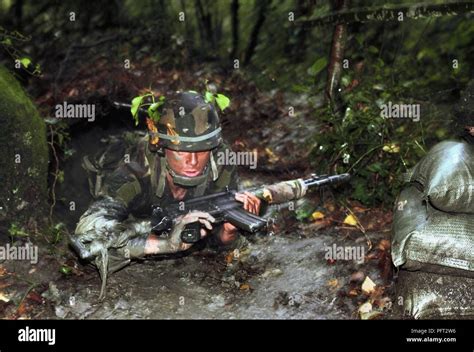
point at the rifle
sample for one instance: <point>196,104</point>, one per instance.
<point>225,208</point>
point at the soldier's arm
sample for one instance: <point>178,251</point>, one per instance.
<point>107,225</point>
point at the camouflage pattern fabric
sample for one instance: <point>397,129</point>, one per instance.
<point>189,123</point>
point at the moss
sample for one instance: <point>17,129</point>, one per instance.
<point>23,134</point>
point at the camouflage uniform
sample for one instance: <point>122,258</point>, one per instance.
<point>115,227</point>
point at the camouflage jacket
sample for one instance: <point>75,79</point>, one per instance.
<point>119,218</point>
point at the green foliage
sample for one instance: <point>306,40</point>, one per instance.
<point>222,101</point>
<point>10,42</point>
<point>65,269</point>
<point>211,96</point>
<point>25,62</point>
<point>17,231</point>
<point>147,100</point>
<point>318,66</point>
<point>57,233</point>
<point>304,211</point>
<point>374,149</point>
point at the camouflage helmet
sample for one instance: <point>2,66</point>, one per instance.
<point>189,123</point>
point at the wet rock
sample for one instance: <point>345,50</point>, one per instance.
<point>358,276</point>
<point>52,293</point>
<point>61,312</point>
<point>272,272</point>
<point>218,301</point>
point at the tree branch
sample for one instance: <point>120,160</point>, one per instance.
<point>390,13</point>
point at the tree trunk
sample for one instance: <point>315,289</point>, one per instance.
<point>262,6</point>
<point>18,13</point>
<point>303,9</point>
<point>189,33</point>
<point>339,39</point>
<point>205,24</point>
<point>234,10</point>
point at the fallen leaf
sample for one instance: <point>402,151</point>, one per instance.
<point>353,292</point>
<point>377,293</point>
<point>330,207</point>
<point>384,245</point>
<point>21,309</point>
<point>4,298</point>
<point>229,257</point>
<point>333,283</point>
<point>244,287</point>
<point>5,285</point>
<point>365,308</point>
<point>317,215</point>
<point>368,286</point>
<point>358,209</point>
<point>384,302</point>
<point>350,220</point>
<point>370,315</point>
<point>35,297</point>
<point>272,158</point>
<point>3,271</point>
<point>391,148</point>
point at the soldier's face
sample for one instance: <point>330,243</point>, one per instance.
<point>190,164</point>
<point>470,129</point>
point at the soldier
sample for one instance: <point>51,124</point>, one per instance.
<point>180,165</point>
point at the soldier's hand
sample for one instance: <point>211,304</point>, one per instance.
<point>251,202</point>
<point>180,223</point>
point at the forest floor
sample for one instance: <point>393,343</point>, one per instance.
<point>285,275</point>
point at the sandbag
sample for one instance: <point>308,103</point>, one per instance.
<point>422,295</point>
<point>446,175</point>
<point>424,238</point>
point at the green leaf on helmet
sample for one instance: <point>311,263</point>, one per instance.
<point>134,108</point>
<point>153,111</point>
<point>222,101</point>
<point>209,97</point>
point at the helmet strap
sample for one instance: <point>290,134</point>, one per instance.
<point>215,172</point>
